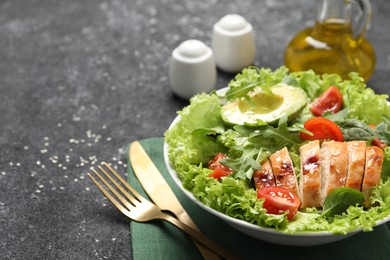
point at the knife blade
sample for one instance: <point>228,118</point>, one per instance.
<point>159,191</point>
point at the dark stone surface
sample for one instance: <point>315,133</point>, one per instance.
<point>81,79</point>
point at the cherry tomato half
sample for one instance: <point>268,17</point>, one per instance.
<point>322,129</point>
<point>220,170</point>
<point>331,100</point>
<point>278,200</point>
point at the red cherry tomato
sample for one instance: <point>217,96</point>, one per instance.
<point>322,129</point>
<point>379,143</point>
<point>331,100</point>
<point>220,170</point>
<point>278,200</point>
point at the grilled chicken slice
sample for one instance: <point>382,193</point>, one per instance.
<point>265,176</point>
<point>372,173</point>
<point>283,169</point>
<point>310,179</point>
<point>334,166</point>
<point>356,163</point>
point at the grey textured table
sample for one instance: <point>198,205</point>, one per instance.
<point>81,79</point>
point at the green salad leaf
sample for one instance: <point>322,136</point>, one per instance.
<point>354,129</point>
<point>340,199</point>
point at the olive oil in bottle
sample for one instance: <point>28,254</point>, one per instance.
<point>331,46</point>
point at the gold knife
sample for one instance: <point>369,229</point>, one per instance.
<point>159,191</point>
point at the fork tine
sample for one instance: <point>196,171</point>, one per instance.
<point>125,183</point>
<point>124,192</point>
<point>116,193</point>
<point>108,195</point>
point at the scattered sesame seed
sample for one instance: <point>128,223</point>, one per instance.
<point>62,188</point>
<point>38,191</point>
<point>3,173</point>
<point>38,162</point>
<point>87,189</point>
<point>44,151</point>
<point>25,147</point>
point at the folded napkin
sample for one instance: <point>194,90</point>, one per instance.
<point>161,240</point>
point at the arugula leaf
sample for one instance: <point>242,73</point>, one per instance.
<point>252,77</point>
<point>339,200</point>
<point>271,138</point>
<point>245,165</point>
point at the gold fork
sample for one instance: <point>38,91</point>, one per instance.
<point>136,207</point>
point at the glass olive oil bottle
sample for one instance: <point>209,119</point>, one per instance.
<point>336,43</point>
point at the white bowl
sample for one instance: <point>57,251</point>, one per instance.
<point>265,234</point>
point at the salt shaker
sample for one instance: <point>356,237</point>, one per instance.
<point>233,43</point>
<point>192,69</point>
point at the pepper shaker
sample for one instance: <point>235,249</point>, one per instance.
<point>233,43</point>
<point>192,69</point>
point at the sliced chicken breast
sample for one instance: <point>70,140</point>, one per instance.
<point>310,179</point>
<point>373,170</point>
<point>334,166</point>
<point>356,163</point>
<point>265,176</point>
<point>283,169</point>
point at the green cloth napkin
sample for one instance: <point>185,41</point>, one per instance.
<point>161,240</point>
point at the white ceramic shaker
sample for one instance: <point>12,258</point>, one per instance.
<point>192,69</point>
<point>233,43</point>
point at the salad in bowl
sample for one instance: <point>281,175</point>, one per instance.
<point>293,154</point>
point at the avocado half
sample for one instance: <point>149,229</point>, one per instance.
<point>264,107</point>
